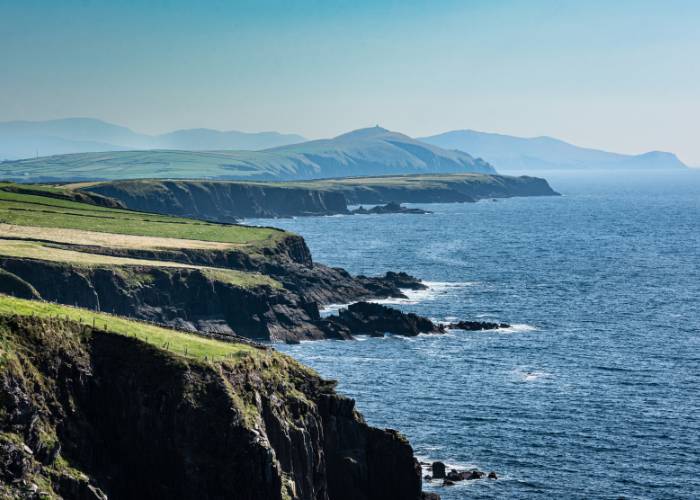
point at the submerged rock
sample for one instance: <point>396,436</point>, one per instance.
<point>476,325</point>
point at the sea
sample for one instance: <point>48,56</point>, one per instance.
<point>594,390</point>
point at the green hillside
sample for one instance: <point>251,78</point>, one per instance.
<point>373,151</point>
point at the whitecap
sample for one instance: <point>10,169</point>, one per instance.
<point>435,289</point>
<point>517,328</point>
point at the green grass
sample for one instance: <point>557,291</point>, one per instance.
<point>364,152</point>
<point>181,343</point>
<point>41,211</point>
<point>40,251</point>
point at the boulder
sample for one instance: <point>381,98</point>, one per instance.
<point>492,475</point>
<point>473,474</point>
<point>438,470</point>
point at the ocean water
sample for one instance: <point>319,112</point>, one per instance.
<point>595,390</point>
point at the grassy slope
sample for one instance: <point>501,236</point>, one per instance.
<point>26,217</point>
<point>424,181</point>
<point>363,152</point>
<point>40,211</point>
<point>181,343</point>
<point>41,251</point>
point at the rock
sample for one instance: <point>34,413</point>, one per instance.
<point>365,318</point>
<point>404,280</point>
<point>476,325</point>
<point>453,475</point>
<point>428,477</point>
<point>447,482</point>
<point>492,475</point>
<point>438,470</point>
<point>389,208</point>
<point>474,474</point>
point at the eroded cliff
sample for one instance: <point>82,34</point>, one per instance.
<point>88,412</point>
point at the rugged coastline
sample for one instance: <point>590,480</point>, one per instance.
<point>253,425</point>
<point>156,318</point>
<point>230,201</point>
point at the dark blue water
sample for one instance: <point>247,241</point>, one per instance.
<point>594,393</point>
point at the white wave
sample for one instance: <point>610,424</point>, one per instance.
<point>435,289</point>
<point>517,328</point>
<point>426,464</point>
<point>531,375</point>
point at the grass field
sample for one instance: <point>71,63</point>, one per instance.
<point>108,240</point>
<point>42,211</point>
<point>181,343</point>
<point>41,251</point>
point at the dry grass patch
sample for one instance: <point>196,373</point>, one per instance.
<point>109,240</point>
<point>39,251</point>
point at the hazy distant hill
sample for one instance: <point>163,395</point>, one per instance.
<point>366,152</point>
<point>507,152</point>
<point>23,139</point>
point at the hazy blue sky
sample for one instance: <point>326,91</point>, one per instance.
<point>620,75</point>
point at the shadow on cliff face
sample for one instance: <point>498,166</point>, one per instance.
<point>92,413</point>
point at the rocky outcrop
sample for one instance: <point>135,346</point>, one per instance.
<point>477,325</point>
<point>389,208</point>
<point>89,414</point>
<point>365,318</point>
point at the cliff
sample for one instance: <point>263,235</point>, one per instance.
<point>222,201</point>
<point>216,279</point>
<point>227,201</point>
<point>91,412</point>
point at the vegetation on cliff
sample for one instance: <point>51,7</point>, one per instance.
<point>116,409</point>
<point>42,211</point>
<point>222,280</point>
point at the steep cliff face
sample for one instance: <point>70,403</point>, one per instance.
<point>184,298</point>
<point>88,413</point>
<point>226,201</point>
<point>222,201</point>
<point>443,189</point>
<point>189,299</point>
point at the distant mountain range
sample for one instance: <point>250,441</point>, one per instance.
<point>365,152</point>
<point>24,139</point>
<point>507,152</point>
<point>371,151</point>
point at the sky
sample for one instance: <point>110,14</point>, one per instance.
<point>622,76</point>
